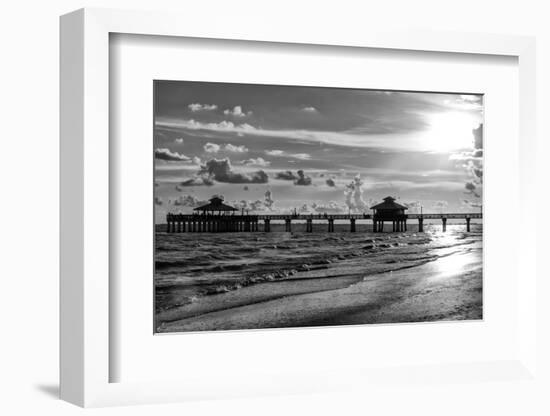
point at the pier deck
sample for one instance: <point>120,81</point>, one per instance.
<point>178,223</point>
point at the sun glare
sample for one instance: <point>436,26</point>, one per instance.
<point>450,132</point>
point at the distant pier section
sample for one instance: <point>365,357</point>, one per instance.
<point>217,217</point>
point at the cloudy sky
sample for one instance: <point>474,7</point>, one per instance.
<point>276,148</point>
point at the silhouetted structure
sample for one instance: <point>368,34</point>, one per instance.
<point>216,205</point>
<point>389,210</point>
<point>217,217</point>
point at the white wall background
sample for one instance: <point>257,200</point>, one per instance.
<point>29,208</point>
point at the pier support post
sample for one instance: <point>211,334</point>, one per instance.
<point>405,225</point>
<point>331,225</point>
<point>309,225</point>
<point>288,227</point>
<point>352,225</point>
<point>468,224</point>
<point>267,225</point>
<point>444,220</point>
<point>374,225</point>
<point>421,225</point>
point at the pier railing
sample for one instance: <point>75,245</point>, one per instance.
<point>178,223</point>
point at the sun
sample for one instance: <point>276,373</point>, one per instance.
<point>450,131</point>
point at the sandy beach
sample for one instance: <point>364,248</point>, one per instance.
<point>446,286</point>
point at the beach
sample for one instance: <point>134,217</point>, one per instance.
<point>277,280</point>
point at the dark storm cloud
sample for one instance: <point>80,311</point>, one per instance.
<point>221,170</point>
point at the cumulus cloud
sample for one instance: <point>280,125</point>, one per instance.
<point>287,175</point>
<point>237,111</point>
<point>440,205</point>
<point>221,170</point>
<point>198,180</point>
<point>235,149</point>
<point>309,109</point>
<point>167,154</point>
<point>299,178</point>
<point>189,201</point>
<point>268,199</point>
<point>472,204</point>
<point>257,205</point>
<point>412,205</point>
<point>179,140</point>
<point>302,180</point>
<point>354,195</point>
<point>211,147</point>
<point>282,153</point>
<point>473,163</point>
<point>471,188</point>
<point>331,208</point>
<point>330,182</point>
<point>256,162</point>
<point>202,107</point>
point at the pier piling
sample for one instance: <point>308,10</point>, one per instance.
<point>444,220</point>
<point>468,225</point>
<point>352,225</point>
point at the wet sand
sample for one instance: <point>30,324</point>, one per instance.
<point>449,288</point>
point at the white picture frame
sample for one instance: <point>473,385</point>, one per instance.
<point>85,264</point>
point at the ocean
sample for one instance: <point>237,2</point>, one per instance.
<point>202,276</point>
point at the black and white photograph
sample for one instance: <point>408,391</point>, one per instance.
<point>282,206</point>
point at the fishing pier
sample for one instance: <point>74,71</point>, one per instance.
<point>217,217</point>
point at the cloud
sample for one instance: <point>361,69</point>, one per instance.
<point>330,182</point>
<point>258,205</point>
<point>228,147</point>
<point>412,205</point>
<point>235,149</point>
<point>237,111</point>
<point>211,147</point>
<point>268,199</point>
<point>256,162</point>
<point>302,180</point>
<point>202,107</point>
<point>197,181</point>
<point>189,201</point>
<point>221,171</point>
<point>299,177</point>
<point>282,153</point>
<point>286,176</point>
<point>472,204</point>
<point>354,195</point>
<point>473,163</point>
<point>440,204</point>
<point>179,140</point>
<point>471,188</point>
<point>197,160</point>
<point>167,154</point>
<point>331,208</point>
<point>309,109</point>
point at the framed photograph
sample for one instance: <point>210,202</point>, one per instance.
<point>310,208</point>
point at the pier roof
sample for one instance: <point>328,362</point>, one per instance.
<point>388,204</point>
<point>216,204</point>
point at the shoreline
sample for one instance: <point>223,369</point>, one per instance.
<point>447,288</point>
